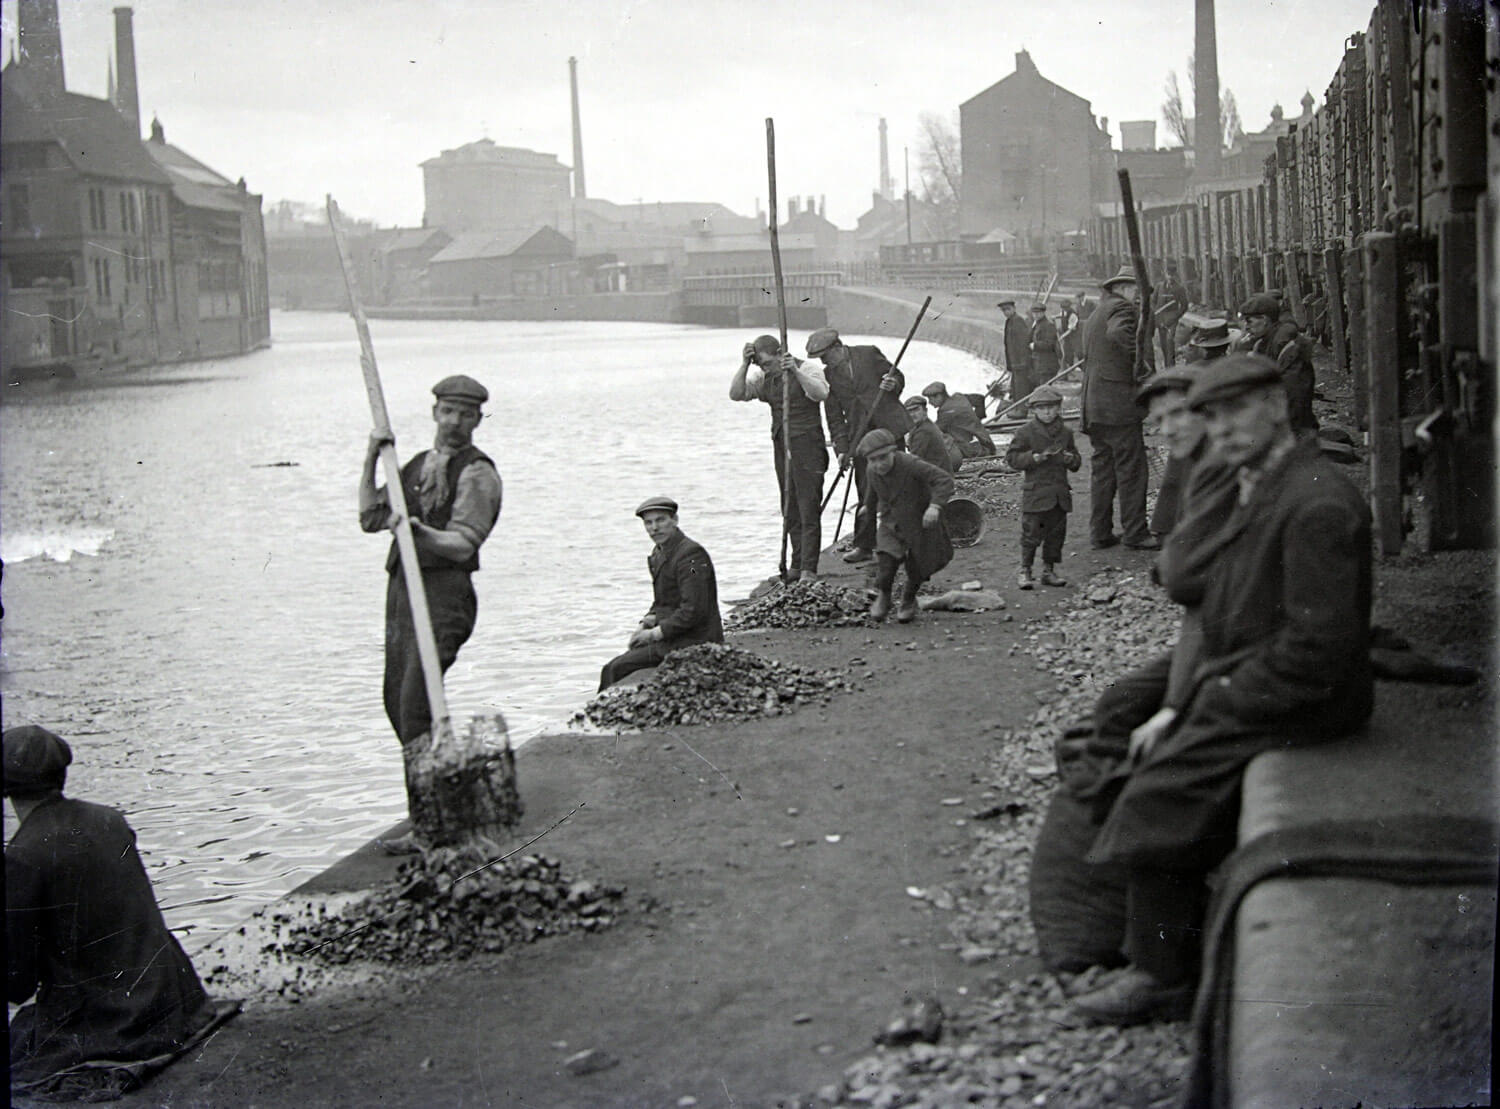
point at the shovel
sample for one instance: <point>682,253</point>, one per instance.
<point>459,790</point>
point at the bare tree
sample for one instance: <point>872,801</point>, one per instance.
<point>1229,115</point>
<point>940,168</point>
<point>1171,110</point>
<point>1180,124</point>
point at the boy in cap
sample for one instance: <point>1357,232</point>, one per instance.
<point>453,496</point>
<point>907,495</point>
<point>924,440</point>
<point>763,375</point>
<point>1274,333</point>
<point>685,596</point>
<point>1043,450</point>
<point>965,433</point>
<point>85,943</point>
<point>864,392</point>
<point>1211,342</point>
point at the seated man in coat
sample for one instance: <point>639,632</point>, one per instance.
<point>924,439</point>
<point>685,596</point>
<point>85,944</point>
<point>908,495</point>
<point>965,433</point>
<point>1282,587</point>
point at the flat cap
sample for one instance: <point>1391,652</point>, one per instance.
<point>1177,377</point>
<point>874,441</point>
<point>915,401</point>
<point>1006,304</point>
<point>1044,395</point>
<point>1214,334</point>
<point>657,504</point>
<point>820,340</point>
<point>1230,376</point>
<point>934,388</point>
<point>1261,304</point>
<point>36,760</point>
<point>1127,273</point>
<point>767,344</point>
<point>1042,308</point>
<point>461,387</point>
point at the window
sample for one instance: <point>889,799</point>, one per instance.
<point>101,279</point>
<point>18,199</point>
<point>135,210</point>
<point>124,213</point>
<point>98,212</point>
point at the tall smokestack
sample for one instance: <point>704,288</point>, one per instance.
<point>127,96</point>
<point>579,189</point>
<point>40,40</point>
<point>885,163</point>
<point>1206,125</point>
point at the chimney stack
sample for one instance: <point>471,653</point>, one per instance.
<point>579,189</point>
<point>1206,124</point>
<point>885,163</point>
<point>127,95</point>
<point>40,40</point>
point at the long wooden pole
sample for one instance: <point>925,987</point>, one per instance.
<point>432,670</point>
<point>786,375</point>
<point>1143,326</point>
<point>1017,404</point>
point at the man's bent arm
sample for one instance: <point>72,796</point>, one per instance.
<point>693,585</point>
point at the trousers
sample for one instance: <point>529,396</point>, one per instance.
<point>1046,529</point>
<point>453,607</point>
<point>802,513</point>
<point>1117,466</point>
<point>637,658</point>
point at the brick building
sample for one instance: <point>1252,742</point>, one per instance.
<point>483,187</point>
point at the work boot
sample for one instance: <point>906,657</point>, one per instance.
<point>1103,543</point>
<point>880,607</point>
<point>1150,543</point>
<point>907,612</point>
<point>809,575</point>
<point>859,554</point>
<point>1135,997</point>
<point>1024,580</point>
<point>1049,578</point>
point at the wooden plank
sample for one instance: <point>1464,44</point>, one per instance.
<point>1294,287</point>
<point>1333,278</point>
<point>1359,370</point>
<point>1382,346</point>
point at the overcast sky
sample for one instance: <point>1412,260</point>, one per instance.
<point>307,97</point>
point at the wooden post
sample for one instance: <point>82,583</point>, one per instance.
<point>1294,286</point>
<point>1354,293</point>
<point>1333,285</point>
<point>1383,346</point>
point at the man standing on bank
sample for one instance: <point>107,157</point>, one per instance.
<point>1017,353</point>
<point>864,393</point>
<point>1111,419</point>
<point>908,496</point>
<point>1046,348</point>
<point>762,376</point>
<point>453,496</point>
<point>1283,587</point>
<point>684,592</point>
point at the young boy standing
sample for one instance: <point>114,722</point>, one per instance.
<point>1043,449</point>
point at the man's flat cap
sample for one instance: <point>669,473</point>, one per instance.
<point>915,401</point>
<point>36,760</point>
<point>934,389</point>
<point>461,387</point>
<point>1042,308</point>
<point>820,340</point>
<point>1230,376</point>
<point>767,344</point>
<point>1261,304</point>
<point>1215,334</point>
<point>1179,378</point>
<point>657,504</point>
<point>1127,273</point>
<point>1045,395</point>
<point>874,441</point>
<point>1006,304</point>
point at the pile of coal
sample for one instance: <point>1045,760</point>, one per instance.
<point>709,682</point>
<point>802,604</point>
<point>996,488</point>
<point>447,904</point>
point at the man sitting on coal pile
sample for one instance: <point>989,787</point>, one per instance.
<point>964,431</point>
<point>908,495</point>
<point>1282,587</point>
<point>924,439</point>
<point>111,996</point>
<point>685,596</point>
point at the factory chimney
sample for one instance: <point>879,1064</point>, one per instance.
<point>40,40</point>
<point>885,163</point>
<point>127,95</point>
<point>1206,125</point>
<point>579,189</point>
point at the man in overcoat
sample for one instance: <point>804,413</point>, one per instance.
<point>908,496</point>
<point>965,433</point>
<point>864,393</point>
<point>1283,592</point>
<point>1111,419</point>
<point>684,596</point>
<point>1017,352</point>
<point>1046,349</point>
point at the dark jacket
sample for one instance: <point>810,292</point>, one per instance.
<point>927,443</point>
<point>902,496</point>
<point>854,389</point>
<point>1285,345</point>
<point>1044,349</point>
<point>959,422</point>
<point>685,595</point>
<point>83,932</point>
<point>1046,484</point>
<point>1018,347</point>
<point>1109,379</point>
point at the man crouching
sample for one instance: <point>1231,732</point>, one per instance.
<point>908,494</point>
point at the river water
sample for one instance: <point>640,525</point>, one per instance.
<point>190,602</point>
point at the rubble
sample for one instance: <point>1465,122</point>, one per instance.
<point>802,604</point>
<point>710,682</point>
<point>447,904</point>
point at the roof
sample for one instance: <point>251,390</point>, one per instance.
<point>409,238</point>
<point>728,244</point>
<point>679,215</point>
<point>194,183</point>
<point>1025,71</point>
<point>92,133</point>
<point>485,152</point>
<point>473,245</point>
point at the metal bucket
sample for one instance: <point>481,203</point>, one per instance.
<point>964,520</point>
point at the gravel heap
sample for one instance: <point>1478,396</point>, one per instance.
<point>802,604</point>
<point>1022,1046</point>
<point>996,488</point>
<point>710,682</point>
<point>442,906</point>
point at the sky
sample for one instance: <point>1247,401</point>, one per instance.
<point>308,97</point>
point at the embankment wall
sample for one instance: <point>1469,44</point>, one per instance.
<point>638,307</point>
